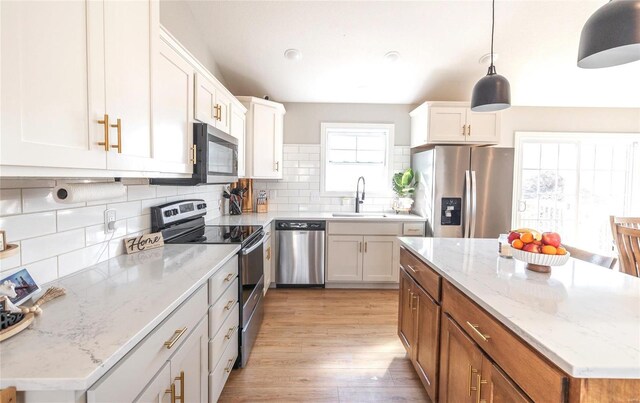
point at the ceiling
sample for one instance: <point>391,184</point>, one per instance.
<point>440,43</point>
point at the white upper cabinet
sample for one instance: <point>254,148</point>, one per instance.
<point>239,131</point>
<point>172,110</point>
<point>131,34</point>
<point>52,94</point>
<point>213,104</point>
<point>265,138</point>
<point>453,123</point>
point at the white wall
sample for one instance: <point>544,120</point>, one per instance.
<point>302,121</point>
<point>545,119</point>
<point>59,239</point>
<point>177,18</point>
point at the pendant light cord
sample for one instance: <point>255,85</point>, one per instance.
<point>493,21</point>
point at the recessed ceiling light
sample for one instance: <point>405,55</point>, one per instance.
<point>486,59</point>
<point>292,54</point>
<point>392,56</point>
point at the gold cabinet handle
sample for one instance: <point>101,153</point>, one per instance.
<point>105,122</point>
<point>365,247</point>
<point>230,332</point>
<point>181,379</point>
<point>229,277</point>
<point>269,253</point>
<point>118,125</point>
<point>471,372</point>
<point>475,327</point>
<point>411,268</point>
<point>172,391</point>
<point>193,151</point>
<point>229,365</point>
<point>469,130</point>
<point>415,306</point>
<point>229,305</point>
<point>360,247</point>
<point>479,384</point>
<point>176,336</point>
<point>464,130</point>
<point>411,300</point>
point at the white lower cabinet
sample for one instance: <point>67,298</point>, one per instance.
<point>344,258</point>
<point>378,260</point>
<point>156,390</point>
<point>190,367</point>
<point>220,373</point>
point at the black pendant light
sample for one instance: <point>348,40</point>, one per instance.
<point>492,92</point>
<point>611,36</point>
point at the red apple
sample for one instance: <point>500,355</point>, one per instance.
<point>531,247</point>
<point>513,235</point>
<point>551,238</point>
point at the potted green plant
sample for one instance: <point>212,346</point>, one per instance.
<point>404,186</point>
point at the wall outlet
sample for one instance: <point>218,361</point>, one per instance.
<point>109,221</point>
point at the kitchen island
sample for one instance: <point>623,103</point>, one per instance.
<point>571,335</point>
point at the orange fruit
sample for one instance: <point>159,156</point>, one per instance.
<point>549,250</point>
<point>526,237</point>
<point>561,251</point>
<point>518,244</point>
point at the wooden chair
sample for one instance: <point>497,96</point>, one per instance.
<point>619,222</point>
<point>601,260</point>
<point>628,243</point>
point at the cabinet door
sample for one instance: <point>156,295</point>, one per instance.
<point>460,364</point>
<point>268,258</point>
<point>190,366</point>
<point>156,390</point>
<point>238,130</point>
<point>380,261</point>
<point>131,36</point>
<point>427,341</point>
<point>52,88</point>
<point>446,124</point>
<point>223,102</point>
<point>173,103</point>
<point>419,127</point>
<point>344,258</point>
<point>483,127</point>
<point>499,388</point>
<point>205,109</point>
<point>265,136</point>
<point>406,319</point>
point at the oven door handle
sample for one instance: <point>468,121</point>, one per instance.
<point>254,246</point>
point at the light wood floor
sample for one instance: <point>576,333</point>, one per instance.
<point>327,346</point>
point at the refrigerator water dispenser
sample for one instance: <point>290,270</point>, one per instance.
<point>451,208</point>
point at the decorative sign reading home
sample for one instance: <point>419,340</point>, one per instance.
<point>143,242</point>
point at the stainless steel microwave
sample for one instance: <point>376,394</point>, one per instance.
<point>216,158</point>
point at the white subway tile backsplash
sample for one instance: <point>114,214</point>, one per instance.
<point>10,202</point>
<point>43,271</point>
<point>47,246</point>
<point>95,233</point>
<point>164,191</point>
<point>79,259</point>
<point>293,185</point>
<point>140,192</point>
<point>126,209</point>
<point>24,226</point>
<point>290,149</point>
<point>41,199</point>
<point>10,262</point>
<point>80,217</point>
<point>140,223</point>
<point>309,149</point>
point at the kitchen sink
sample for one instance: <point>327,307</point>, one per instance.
<point>362,215</point>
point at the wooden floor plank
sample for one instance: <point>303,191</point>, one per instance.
<point>327,346</point>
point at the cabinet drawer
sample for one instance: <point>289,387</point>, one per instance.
<point>413,229</point>
<point>127,378</point>
<point>222,308</point>
<point>227,332</point>
<point>423,274</point>
<point>539,379</point>
<point>219,282</point>
<point>219,375</point>
<point>364,228</point>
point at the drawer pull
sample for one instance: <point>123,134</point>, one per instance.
<point>411,300</point>
<point>411,268</point>
<point>230,332</point>
<point>471,372</point>
<point>480,382</point>
<point>229,365</point>
<point>475,327</point>
<point>229,305</point>
<point>172,392</point>
<point>181,379</point>
<point>414,296</point>
<point>176,335</point>
<point>229,277</point>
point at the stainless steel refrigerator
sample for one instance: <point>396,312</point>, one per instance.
<point>464,191</point>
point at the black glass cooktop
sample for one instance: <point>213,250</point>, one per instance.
<point>217,234</point>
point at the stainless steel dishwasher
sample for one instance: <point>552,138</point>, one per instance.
<point>300,253</point>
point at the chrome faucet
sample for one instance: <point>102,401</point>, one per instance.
<point>359,200</point>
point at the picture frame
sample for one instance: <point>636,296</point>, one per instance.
<point>3,241</point>
<point>26,286</point>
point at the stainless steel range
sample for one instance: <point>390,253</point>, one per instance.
<point>182,222</point>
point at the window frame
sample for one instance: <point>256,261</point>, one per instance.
<point>389,127</point>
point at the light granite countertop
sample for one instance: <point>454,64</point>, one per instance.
<point>582,317</point>
<point>266,218</point>
<point>107,310</point>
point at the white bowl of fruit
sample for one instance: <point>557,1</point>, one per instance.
<point>539,250</point>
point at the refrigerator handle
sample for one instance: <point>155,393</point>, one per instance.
<point>467,205</point>
<point>474,213</point>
